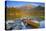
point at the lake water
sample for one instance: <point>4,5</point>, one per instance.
<point>42,24</point>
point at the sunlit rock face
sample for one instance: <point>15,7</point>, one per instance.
<point>26,7</point>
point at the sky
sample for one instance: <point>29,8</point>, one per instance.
<point>21,3</point>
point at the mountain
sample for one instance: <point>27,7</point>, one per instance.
<point>26,7</point>
<point>28,10</point>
